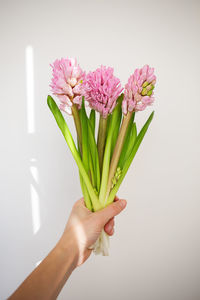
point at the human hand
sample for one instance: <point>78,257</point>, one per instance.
<point>84,227</point>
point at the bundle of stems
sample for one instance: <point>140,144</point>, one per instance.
<point>104,154</point>
<point>121,143</point>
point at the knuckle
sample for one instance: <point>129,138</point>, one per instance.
<point>116,209</point>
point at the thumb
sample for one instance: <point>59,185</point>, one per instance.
<point>110,211</point>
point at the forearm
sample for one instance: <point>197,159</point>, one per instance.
<point>46,281</point>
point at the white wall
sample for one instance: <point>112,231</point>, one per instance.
<point>155,251</point>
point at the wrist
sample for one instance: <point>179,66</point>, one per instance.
<point>68,250</point>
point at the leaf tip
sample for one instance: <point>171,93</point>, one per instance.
<point>50,102</point>
<point>152,115</point>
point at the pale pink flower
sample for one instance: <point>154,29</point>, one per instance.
<point>101,90</point>
<point>66,82</point>
<point>138,93</point>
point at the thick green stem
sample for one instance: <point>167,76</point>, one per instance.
<point>101,139</point>
<point>107,154</point>
<point>91,171</point>
<point>77,124</point>
<point>117,151</point>
<point>106,164</point>
<point>85,193</point>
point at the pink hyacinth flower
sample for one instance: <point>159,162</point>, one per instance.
<point>138,93</point>
<point>66,83</point>
<point>101,90</point>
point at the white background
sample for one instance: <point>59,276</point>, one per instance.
<point>155,251</point>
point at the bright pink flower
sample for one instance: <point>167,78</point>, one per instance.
<point>138,93</point>
<point>66,82</point>
<point>101,90</point>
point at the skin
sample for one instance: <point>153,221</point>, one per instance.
<point>82,230</point>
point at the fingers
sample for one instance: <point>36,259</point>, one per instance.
<point>79,202</point>
<point>110,211</point>
<point>109,227</point>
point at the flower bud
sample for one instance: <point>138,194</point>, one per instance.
<point>138,92</point>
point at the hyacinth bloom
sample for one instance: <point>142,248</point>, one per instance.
<point>66,82</point>
<point>101,90</point>
<point>138,93</point>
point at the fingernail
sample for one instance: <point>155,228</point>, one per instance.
<point>122,203</point>
<point>116,198</point>
<point>109,227</point>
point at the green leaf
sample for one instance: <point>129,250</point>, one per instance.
<point>133,136</point>
<point>116,130</point>
<point>94,156</point>
<point>130,158</point>
<point>101,139</point>
<point>68,137</point>
<point>108,124</point>
<point>128,142</point>
<point>84,133</point>
<point>88,144</point>
<point>86,195</point>
<point>62,124</point>
<point>92,120</point>
<point>115,114</point>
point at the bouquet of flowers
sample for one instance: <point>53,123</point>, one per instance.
<point>103,161</point>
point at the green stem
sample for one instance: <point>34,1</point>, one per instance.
<point>95,157</point>
<point>105,170</point>
<point>85,193</point>
<point>101,139</point>
<point>129,141</point>
<point>92,120</point>
<point>107,153</point>
<point>91,171</point>
<point>77,124</point>
<point>117,151</point>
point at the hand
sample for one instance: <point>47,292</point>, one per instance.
<point>82,230</point>
<point>84,227</point>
